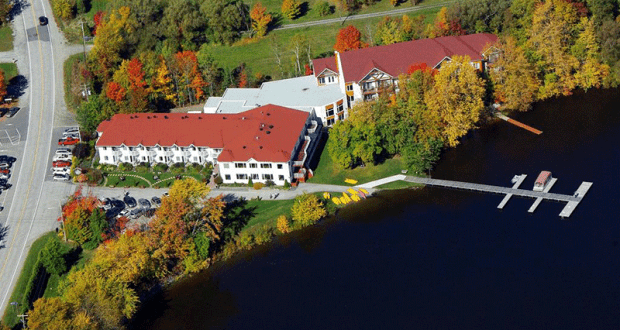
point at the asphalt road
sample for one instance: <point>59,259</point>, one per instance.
<point>343,19</point>
<point>31,205</point>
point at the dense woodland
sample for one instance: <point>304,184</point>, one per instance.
<point>150,55</point>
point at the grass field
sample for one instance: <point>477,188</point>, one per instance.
<point>10,70</point>
<point>259,55</point>
<point>327,172</point>
<point>6,38</point>
<point>10,317</point>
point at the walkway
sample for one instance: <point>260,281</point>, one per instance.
<point>394,12</point>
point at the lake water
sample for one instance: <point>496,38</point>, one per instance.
<point>440,258</point>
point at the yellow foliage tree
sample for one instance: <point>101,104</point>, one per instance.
<point>457,98</point>
<point>307,209</point>
<point>54,313</point>
<point>514,77</point>
<point>553,23</point>
<point>64,8</point>
<point>189,190</point>
<point>162,82</point>
<point>586,49</point>
<point>291,8</point>
<point>260,19</point>
<point>282,224</point>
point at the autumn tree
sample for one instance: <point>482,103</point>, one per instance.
<point>477,16</point>
<point>444,25</point>
<point>457,98</point>
<point>390,30</point>
<point>64,8</point>
<point>348,38</point>
<point>291,8</point>
<point>5,9</point>
<point>97,19</point>
<point>586,50</point>
<point>260,19</point>
<point>307,209</point>
<point>514,78</point>
<point>282,224</point>
<point>553,23</point>
<point>2,85</point>
<point>54,313</point>
<point>161,84</point>
<point>115,92</point>
<point>299,45</point>
<point>227,18</point>
<point>111,38</point>
<point>184,71</point>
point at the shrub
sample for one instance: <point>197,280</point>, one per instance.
<point>125,167</point>
<point>177,168</point>
<point>218,180</point>
<point>258,185</point>
<point>263,235</point>
<point>282,224</point>
<point>250,183</point>
<point>142,169</point>
<point>286,184</point>
<point>269,183</point>
<point>94,176</point>
<point>160,167</point>
<point>322,8</point>
<point>307,209</point>
<point>81,150</point>
<point>195,167</point>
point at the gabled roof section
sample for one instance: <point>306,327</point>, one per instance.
<point>268,133</point>
<point>395,59</point>
<point>320,64</point>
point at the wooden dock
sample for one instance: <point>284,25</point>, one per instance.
<point>572,201</point>
<point>517,123</point>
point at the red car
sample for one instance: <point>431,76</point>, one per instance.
<point>68,141</point>
<point>4,170</point>
<point>61,163</point>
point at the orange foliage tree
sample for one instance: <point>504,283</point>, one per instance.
<point>349,38</point>
<point>260,19</point>
<point>75,216</point>
<point>97,20</point>
<point>137,85</point>
<point>2,85</point>
<point>115,92</point>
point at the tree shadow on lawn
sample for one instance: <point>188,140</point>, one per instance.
<point>236,216</point>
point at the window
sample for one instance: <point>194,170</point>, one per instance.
<point>105,158</point>
<point>178,159</point>
<point>331,79</point>
<point>255,176</point>
<point>143,158</point>
<point>253,165</point>
<point>340,106</point>
<point>265,165</point>
<point>281,177</point>
<point>279,166</point>
<point>226,165</point>
<point>321,80</point>
<point>227,177</point>
<point>242,176</point>
<point>267,177</point>
<point>350,87</point>
<point>341,116</point>
<point>329,110</point>
<point>105,148</point>
<point>331,121</point>
<point>161,159</point>
<point>239,165</point>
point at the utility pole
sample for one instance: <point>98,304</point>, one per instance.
<point>83,37</point>
<point>23,317</point>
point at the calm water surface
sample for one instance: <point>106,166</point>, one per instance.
<point>438,258</point>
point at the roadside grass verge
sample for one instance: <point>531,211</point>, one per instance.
<point>259,56</point>
<point>10,316</point>
<point>70,98</point>
<point>329,173</point>
<point>10,71</point>
<point>6,38</point>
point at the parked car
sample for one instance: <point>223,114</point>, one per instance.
<point>62,177</point>
<point>71,134</point>
<point>106,204</point>
<point>117,203</point>
<point>43,20</point>
<point>130,201</point>
<point>12,112</point>
<point>123,213</point>
<point>72,129</point>
<point>144,203</point>
<point>4,175</point>
<point>5,170</point>
<point>63,150</point>
<point>135,213</point>
<point>68,141</point>
<point>4,184</point>
<point>61,163</point>
<point>61,170</point>
<point>156,201</point>
<point>66,157</point>
<point>5,161</point>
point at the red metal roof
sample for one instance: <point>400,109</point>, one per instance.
<point>542,177</point>
<point>268,133</point>
<point>396,58</point>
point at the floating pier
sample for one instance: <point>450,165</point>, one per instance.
<point>572,201</point>
<point>539,199</point>
<point>517,180</point>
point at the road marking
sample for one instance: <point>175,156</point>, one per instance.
<point>36,154</point>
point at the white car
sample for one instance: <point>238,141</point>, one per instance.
<point>75,135</point>
<point>4,176</point>
<point>72,129</point>
<point>63,150</point>
<point>66,157</point>
<point>61,170</point>
<point>62,177</point>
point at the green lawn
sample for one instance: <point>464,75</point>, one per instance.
<point>130,181</point>
<point>95,6</point>
<point>10,317</point>
<point>399,185</point>
<point>267,211</point>
<point>6,38</point>
<point>10,70</point>
<point>327,172</point>
<point>259,56</point>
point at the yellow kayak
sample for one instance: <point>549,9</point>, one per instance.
<point>336,200</point>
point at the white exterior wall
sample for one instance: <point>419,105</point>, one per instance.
<point>157,154</point>
<point>229,171</point>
